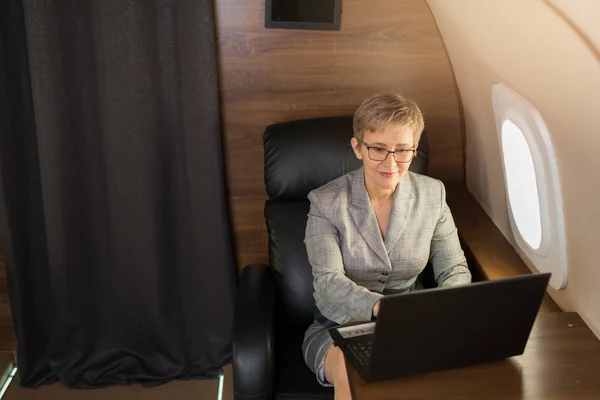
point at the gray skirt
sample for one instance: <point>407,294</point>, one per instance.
<point>318,342</point>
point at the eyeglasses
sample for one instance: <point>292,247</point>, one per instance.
<point>381,154</point>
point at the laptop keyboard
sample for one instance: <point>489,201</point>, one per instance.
<point>363,350</point>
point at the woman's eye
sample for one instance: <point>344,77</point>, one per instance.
<point>379,150</point>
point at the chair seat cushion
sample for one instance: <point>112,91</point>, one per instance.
<point>293,378</point>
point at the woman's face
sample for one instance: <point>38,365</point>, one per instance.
<point>385,174</point>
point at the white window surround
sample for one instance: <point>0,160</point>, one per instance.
<point>551,255</point>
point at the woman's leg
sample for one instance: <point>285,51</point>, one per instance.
<point>335,373</point>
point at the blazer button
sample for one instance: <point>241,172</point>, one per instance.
<point>380,281</point>
<point>385,273</point>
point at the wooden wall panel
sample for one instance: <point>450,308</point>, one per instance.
<point>271,75</point>
<point>4,298</point>
<point>8,341</point>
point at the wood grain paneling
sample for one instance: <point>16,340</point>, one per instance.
<point>8,340</point>
<point>272,75</point>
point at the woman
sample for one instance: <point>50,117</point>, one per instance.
<point>372,231</point>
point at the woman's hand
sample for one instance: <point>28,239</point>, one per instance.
<point>376,308</point>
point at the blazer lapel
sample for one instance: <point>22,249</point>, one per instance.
<point>401,209</point>
<point>364,217</point>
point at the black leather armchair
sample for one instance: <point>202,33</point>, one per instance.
<point>275,302</point>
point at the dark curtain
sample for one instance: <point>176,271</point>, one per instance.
<point>112,196</point>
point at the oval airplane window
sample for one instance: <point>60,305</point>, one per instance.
<point>522,184</point>
<point>533,190</point>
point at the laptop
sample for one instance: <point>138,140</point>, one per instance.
<point>443,328</point>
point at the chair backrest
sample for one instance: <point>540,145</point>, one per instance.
<point>300,156</point>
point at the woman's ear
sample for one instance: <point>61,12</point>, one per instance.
<point>356,147</point>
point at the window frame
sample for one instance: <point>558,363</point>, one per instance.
<point>551,256</point>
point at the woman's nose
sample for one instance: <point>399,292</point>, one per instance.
<point>390,161</point>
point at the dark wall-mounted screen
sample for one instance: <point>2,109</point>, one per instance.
<point>303,14</point>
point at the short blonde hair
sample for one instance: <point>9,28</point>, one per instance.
<point>388,111</point>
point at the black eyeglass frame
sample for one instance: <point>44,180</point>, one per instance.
<point>413,150</point>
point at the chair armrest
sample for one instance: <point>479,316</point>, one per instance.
<point>253,336</point>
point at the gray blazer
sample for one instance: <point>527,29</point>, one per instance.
<point>353,264</point>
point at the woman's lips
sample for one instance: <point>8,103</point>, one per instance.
<point>388,174</point>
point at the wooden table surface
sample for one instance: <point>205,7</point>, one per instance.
<point>489,254</point>
<point>561,361</point>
